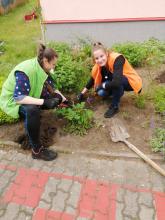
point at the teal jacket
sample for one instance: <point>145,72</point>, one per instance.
<point>37,77</point>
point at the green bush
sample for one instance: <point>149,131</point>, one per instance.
<point>148,53</point>
<point>79,119</point>
<point>73,67</point>
<point>158,141</point>
<point>134,52</point>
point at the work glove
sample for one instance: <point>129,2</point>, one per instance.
<point>80,97</point>
<point>66,104</point>
<point>51,103</point>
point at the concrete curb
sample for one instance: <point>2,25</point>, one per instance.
<point>110,155</point>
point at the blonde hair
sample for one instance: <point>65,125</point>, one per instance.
<point>98,46</point>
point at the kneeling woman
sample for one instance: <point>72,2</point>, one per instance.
<point>27,90</point>
<point>111,76</point>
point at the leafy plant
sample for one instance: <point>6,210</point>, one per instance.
<point>149,53</point>
<point>158,141</point>
<point>72,68</point>
<point>159,99</point>
<point>79,119</point>
<point>134,52</point>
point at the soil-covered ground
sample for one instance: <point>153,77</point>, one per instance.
<point>140,124</point>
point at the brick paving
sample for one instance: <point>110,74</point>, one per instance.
<point>75,187</point>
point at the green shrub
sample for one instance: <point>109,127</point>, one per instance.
<point>158,141</point>
<point>149,53</point>
<point>79,119</point>
<point>73,67</point>
<point>134,52</point>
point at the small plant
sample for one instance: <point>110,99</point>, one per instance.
<point>79,119</point>
<point>126,115</point>
<point>158,141</point>
<point>4,118</point>
<point>140,101</point>
<point>159,99</point>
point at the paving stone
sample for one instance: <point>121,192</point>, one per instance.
<point>65,185</point>
<point>50,189</point>
<point>11,212</point>
<point>120,195</point>
<point>146,199</point>
<point>131,206</point>
<point>158,182</point>
<point>5,179</point>
<point>74,194</point>
<point>146,213</point>
<point>44,205</point>
<point>119,208</point>
<point>59,199</point>
<point>70,210</point>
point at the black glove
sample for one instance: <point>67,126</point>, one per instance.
<point>68,103</point>
<point>51,103</point>
<point>80,97</point>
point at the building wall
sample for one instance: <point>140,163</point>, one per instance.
<point>7,5</point>
<point>108,33</point>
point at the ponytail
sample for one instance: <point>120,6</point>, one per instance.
<point>47,53</point>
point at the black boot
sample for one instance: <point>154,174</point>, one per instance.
<point>44,154</point>
<point>111,112</point>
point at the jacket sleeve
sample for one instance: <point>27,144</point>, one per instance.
<point>117,73</point>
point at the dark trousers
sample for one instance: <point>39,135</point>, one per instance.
<point>31,116</point>
<point>116,93</point>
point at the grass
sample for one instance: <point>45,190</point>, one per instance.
<point>20,37</point>
<point>20,42</point>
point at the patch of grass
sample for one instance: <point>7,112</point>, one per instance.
<point>140,101</point>
<point>20,38</point>
<point>158,140</point>
<point>20,42</point>
<point>79,119</point>
<point>159,99</point>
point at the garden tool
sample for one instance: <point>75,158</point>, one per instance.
<point>118,133</point>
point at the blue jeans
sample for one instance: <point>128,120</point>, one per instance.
<point>116,93</point>
<point>31,116</point>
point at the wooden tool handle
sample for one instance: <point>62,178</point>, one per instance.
<point>147,159</point>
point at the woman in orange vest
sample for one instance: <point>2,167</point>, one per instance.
<point>111,76</point>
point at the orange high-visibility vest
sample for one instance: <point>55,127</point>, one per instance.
<point>133,78</point>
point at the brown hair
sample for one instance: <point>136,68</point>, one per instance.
<point>44,52</point>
